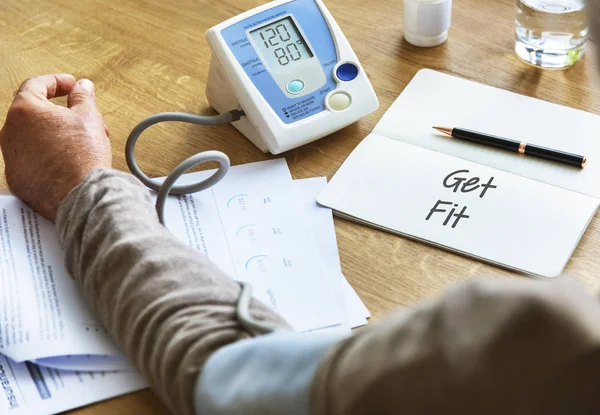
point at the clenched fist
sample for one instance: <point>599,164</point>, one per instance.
<point>48,149</point>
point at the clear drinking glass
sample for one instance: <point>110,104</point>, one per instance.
<point>551,33</point>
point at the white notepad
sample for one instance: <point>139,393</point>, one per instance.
<point>518,212</point>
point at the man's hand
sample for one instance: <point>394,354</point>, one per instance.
<point>48,149</point>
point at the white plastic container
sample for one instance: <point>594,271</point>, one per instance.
<point>426,22</point>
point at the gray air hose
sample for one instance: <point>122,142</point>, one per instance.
<point>168,187</point>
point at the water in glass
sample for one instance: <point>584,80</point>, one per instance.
<point>551,33</point>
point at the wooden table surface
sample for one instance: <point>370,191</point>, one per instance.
<point>148,56</point>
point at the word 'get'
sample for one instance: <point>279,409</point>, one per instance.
<point>459,182</point>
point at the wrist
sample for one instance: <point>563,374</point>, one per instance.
<point>63,189</point>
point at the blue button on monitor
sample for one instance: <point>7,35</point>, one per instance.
<point>295,87</point>
<point>347,72</point>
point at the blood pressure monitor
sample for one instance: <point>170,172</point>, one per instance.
<point>289,67</point>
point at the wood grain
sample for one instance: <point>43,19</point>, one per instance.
<point>148,56</point>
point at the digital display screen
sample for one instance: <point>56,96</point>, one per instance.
<point>280,44</point>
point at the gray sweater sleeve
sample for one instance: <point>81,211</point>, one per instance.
<point>166,306</point>
<point>493,347</point>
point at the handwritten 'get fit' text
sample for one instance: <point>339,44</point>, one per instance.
<point>458,181</point>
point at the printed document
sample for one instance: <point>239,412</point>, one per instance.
<point>29,389</point>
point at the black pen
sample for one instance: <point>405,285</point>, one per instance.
<point>516,146</point>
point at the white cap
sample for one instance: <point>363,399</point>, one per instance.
<point>426,22</point>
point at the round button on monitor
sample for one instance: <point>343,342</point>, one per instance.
<point>295,86</point>
<point>339,101</point>
<point>346,72</point>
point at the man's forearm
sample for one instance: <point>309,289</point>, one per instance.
<point>168,307</point>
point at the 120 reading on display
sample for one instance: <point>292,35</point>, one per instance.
<point>280,44</point>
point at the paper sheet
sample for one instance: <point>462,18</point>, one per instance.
<point>28,389</point>
<point>42,313</point>
<point>356,309</point>
<point>321,222</point>
<point>94,363</point>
